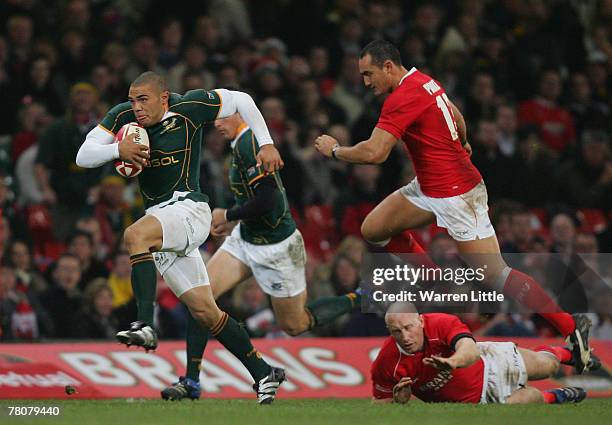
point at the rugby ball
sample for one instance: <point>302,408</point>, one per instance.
<point>125,168</point>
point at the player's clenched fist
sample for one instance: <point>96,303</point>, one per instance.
<point>325,144</point>
<point>269,157</point>
<point>219,225</point>
<point>133,152</point>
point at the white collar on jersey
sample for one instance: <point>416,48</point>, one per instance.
<point>398,346</point>
<point>239,135</point>
<point>412,71</point>
<point>167,114</point>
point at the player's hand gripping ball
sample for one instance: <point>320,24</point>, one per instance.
<point>132,168</point>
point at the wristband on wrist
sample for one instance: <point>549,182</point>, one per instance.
<point>333,152</point>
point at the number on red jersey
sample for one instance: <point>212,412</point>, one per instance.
<point>444,104</point>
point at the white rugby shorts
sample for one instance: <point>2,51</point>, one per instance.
<point>504,371</point>
<point>185,225</point>
<point>278,268</point>
<point>465,216</point>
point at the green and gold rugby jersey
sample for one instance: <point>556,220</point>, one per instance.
<point>175,143</point>
<point>274,226</point>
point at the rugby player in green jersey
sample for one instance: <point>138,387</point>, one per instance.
<point>177,219</point>
<point>264,243</point>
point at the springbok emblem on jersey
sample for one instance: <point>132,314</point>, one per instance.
<point>169,125</point>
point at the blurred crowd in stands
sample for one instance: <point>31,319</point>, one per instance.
<point>532,77</point>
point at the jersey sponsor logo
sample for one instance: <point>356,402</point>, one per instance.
<point>431,86</point>
<point>438,382</point>
<point>169,125</point>
<point>163,162</point>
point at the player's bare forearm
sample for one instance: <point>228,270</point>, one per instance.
<point>375,150</point>
<point>362,153</point>
<point>466,353</point>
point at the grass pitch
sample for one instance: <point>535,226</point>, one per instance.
<point>305,412</point>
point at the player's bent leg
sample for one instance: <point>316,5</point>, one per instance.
<point>391,217</point>
<point>480,252</point>
<point>234,338</point>
<point>525,395</point>
<point>555,396</point>
<point>530,293</point>
<point>141,238</point>
<point>539,364</point>
<point>144,235</point>
<point>202,306</point>
<point>225,272</point>
<point>291,315</point>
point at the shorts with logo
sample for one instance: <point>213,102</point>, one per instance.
<point>464,216</point>
<point>278,268</point>
<point>185,221</point>
<point>504,371</point>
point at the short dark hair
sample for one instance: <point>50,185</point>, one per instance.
<point>153,78</point>
<point>380,51</point>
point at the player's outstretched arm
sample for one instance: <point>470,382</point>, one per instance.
<point>236,101</point>
<point>466,354</point>
<point>375,150</point>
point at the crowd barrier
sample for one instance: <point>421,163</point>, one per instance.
<point>316,368</point>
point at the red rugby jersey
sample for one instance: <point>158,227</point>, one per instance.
<point>441,331</point>
<point>419,112</point>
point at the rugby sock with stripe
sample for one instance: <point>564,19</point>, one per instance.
<point>144,285</point>
<point>549,397</point>
<point>233,337</point>
<point>563,354</point>
<point>196,338</point>
<point>327,309</point>
<point>524,289</point>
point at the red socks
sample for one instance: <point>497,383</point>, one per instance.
<point>527,291</point>
<point>405,243</point>
<point>562,354</point>
<point>549,398</point>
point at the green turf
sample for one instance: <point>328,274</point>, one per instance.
<point>308,412</point>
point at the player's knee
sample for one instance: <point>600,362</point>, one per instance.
<point>550,366</point>
<point>131,236</point>
<point>137,239</point>
<point>207,317</point>
<point>368,230</point>
<point>292,328</point>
